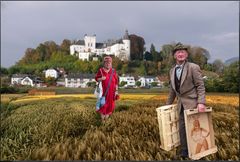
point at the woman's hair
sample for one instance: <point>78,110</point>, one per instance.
<point>196,122</point>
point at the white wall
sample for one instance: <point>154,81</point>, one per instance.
<point>130,80</point>
<point>90,43</point>
<point>51,73</point>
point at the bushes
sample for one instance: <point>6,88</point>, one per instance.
<point>214,85</point>
<point>7,89</point>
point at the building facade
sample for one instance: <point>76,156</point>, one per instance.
<point>51,73</point>
<point>146,81</point>
<point>79,80</point>
<point>89,47</point>
<point>130,81</point>
<point>17,78</point>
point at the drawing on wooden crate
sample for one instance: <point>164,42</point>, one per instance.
<point>200,133</point>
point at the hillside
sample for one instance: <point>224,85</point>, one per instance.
<point>231,60</point>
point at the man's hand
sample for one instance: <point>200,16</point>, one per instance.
<point>201,107</point>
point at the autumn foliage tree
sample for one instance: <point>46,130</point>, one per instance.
<point>136,47</point>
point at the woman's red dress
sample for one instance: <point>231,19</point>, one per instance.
<point>109,106</point>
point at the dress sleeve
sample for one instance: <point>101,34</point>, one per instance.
<point>116,77</point>
<point>98,75</point>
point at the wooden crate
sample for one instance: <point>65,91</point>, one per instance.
<point>168,120</point>
<point>200,133</point>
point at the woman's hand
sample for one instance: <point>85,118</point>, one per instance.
<point>102,78</point>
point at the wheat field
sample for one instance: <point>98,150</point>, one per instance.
<point>66,127</point>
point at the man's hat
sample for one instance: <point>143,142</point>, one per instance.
<point>179,46</point>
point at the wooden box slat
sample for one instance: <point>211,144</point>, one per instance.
<point>168,126</point>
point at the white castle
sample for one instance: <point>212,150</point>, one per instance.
<point>89,47</point>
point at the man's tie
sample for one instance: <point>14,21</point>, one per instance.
<point>178,71</point>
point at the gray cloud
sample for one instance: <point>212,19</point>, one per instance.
<point>212,25</point>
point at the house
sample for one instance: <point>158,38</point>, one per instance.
<point>31,81</point>
<point>16,78</point>
<point>79,80</point>
<point>25,79</point>
<point>89,47</point>
<point>146,81</point>
<point>51,73</point>
<point>128,79</point>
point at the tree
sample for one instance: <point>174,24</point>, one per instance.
<point>41,51</point>
<point>150,68</point>
<point>167,58</point>
<point>95,65</point>
<point>154,84</point>
<point>4,71</point>
<point>198,55</point>
<point>31,57</point>
<point>166,51</point>
<point>148,56</point>
<point>231,77</point>
<point>50,48</point>
<point>14,69</point>
<point>50,81</point>
<point>65,46</point>
<point>136,47</point>
<point>208,67</point>
<point>156,56</point>
<point>123,83</point>
<point>117,63</point>
<point>218,66</point>
<point>141,70</point>
<point>91,84</point>
<point>124,69</point>
<point>152,49</point>
<point>138,83</point>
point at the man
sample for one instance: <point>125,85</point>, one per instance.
<point>186,83</point>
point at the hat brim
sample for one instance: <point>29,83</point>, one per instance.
<point>178,50</point>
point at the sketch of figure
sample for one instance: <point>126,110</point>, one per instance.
<point>199,135</point>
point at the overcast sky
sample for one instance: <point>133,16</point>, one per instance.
<point>211,25</point>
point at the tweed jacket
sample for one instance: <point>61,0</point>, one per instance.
<point>192,90</point>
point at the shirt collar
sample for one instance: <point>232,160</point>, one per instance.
<point>180,66</point>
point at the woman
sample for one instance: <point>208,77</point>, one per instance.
<point>199,136</point>
<point>103,75</point>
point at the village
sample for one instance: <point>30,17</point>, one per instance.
<point>84,50</point>
<point>82,80</point>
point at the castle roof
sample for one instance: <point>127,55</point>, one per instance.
<point>126,35</point>
<point>99,45</point>
<point>80,42</point>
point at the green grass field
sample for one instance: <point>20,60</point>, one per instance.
<point>68,128</point>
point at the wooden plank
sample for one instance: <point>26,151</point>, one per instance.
<point>168,126</point>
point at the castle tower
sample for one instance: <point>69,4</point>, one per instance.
<point>126,42</point>
<point>90,43</point>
